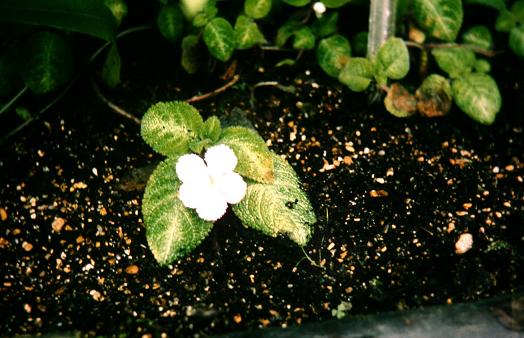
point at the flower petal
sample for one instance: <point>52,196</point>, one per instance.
<point>191,168</point>
<point>190,195</point>
<point>231,186</point>
<point>211,206</point>
<point>220,159</point>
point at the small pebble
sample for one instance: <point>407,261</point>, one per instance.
<point>464,243</point>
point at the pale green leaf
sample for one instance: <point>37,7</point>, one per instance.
<point>479,36</point>
<point>278,208</point>
<point>111,68</point>
<point>257,9</point>
<point>169,127</point>
<point>172,230</point>
<point>219,37</point>
<point>357,74</point>
<point>247,33</point>
<point>478,96</point>
<point>304,38</point>
<point>393,59</point>
<point>297,3</point>
<point>482,66</point>
<point>434,96</point>
<point>516,40</point>
<point>170,22</point>
<point>440,18</point>
<point>333,53</point>
<point>455,61</point>
<point>118,8</point>
<point>254,158</point>
<point>211,129</point>
<point>48,63</point>
<point>190,54</point>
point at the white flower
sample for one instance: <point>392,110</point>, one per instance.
<point>319,8</point>
<point>209,186</point>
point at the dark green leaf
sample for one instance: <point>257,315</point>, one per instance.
<point>440,18</point>
<point>297,3</point>
<point>304,38</point>
<point>454,61</point>
<point>190,54</point>
<point>359,44</point>
<point>219,37</point>
<point>278,208</point>
<point>499,5</point>
<point>87,17</point>
<point>170,22</point>
<point>9,78</point>
<point>172,230</point>
<point>169,127</point>
<point>335,3</point>
<point>478,96</point>
<point>333,53</point>
<point>111,68</point>
<point>48,63</point>
<point>479,36</point>
<point>505,22</point>
<point>247,33</point>
<point>286,31</point>
<point>357,74</point>
<point>257,9</point>
<point>325,25</point>
<point>254,158</point>
<point>516,40</point>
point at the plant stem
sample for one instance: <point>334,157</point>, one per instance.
<point>214,92</point>
<point>13,100</point>
<point>111,105</point>
<point>382,15</point>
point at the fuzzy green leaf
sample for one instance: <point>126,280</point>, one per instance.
<point>254,158</point>
<point>326,24</point>
<point>111,69</point>
<point>81,16</point>
<point>393,59</point>
<point>278,208</point>
<point>257,9</point>
<point>190,54</point>
<point>247,33</point>
<point>357,74</point>
<point>212,129</point>
<point>439,18</point>
<point>172,230</point>
<point>478,96</point>
<point>170,22</point>
<point>505,21</point>
<point>169,127</point>
<point>48,63</point>
<point>219,37</point>
<point>297,3</point>
<point>479,36</point>
<point>454,61</point>
<point>516,40</point>
<point>434,96</point>
<point>482,66</point>
<point>304,38</point>
<point>333,53</point>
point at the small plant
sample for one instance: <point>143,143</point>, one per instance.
<point>187,193</point>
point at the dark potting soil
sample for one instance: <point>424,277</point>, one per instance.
<point>392,197</point>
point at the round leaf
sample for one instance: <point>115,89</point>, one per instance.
<point>357,74</point>
<point>478,96</point>
<point>257,9</point>
<point>516,40</point>
<point>434,96</point>
<point>479,36</point>
<point>48,64</point>
<point>286,31</point>
<point>505,21</point>
<point>278,208</point>
<point>172,230</point>
<point>304,38</point>
<point>254,158</point>
<point>440,18</point>
<point>170,22</point>
<point>399,102</point>
<point>190,54</point>
<point>326,24</point>
<point>247,33</point>
<point>333,53</point>
<point>393,59</point>
<point>169,127</point>
<point>219,37</point>
<point>454,61</point>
